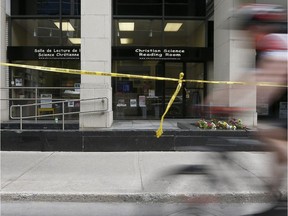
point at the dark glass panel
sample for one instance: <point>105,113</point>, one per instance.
<point>50,7</point>
<point>140,8</point>
<point>138,1</point>
<point>71,7</point>
<point>155,7</point>
<point>185,8</point>
<point>210,33</point>
<point>35,7</point>
<point>45,7</point>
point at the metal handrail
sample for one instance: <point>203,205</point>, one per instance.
<point>38,87</point>
<point>36,90</point>
<point>21,117</point>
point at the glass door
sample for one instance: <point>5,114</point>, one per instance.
<point>138,98</point>
<point>188,101</point>
<point>194,92</point>
<point>172,70</point>
<point>148,99</point>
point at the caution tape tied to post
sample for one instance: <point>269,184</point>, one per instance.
<point>159,132</point>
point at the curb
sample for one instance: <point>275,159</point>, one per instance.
<point>139,197</point>
<point>122,140</point>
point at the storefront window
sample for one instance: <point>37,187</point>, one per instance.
<point>45,32</point>
<point>28,86</point>
<point>139,33</point>
<point>152,32</point>
<point>190,33</point>
<point>137,98</point>
<point>164,41</point>
<point>32,78</point>
<point>147,99</point>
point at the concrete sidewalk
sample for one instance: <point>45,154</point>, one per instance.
<point>126,176</point>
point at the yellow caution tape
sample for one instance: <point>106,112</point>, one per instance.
<point>159,132</point>
<point>85,72</point>
<point>133,76</point>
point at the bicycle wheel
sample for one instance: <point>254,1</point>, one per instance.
<point>205,189</point>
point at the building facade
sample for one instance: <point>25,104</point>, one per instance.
<point>148,38</point>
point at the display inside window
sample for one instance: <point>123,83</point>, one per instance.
<point>124,86</point>
<point>18,82</point>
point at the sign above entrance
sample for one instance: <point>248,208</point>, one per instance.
<point>163,53</point>
<point>44,53</point>
<point>169,54</point>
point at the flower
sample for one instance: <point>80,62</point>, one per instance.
<point>233,124</point>
<point>238,124</point>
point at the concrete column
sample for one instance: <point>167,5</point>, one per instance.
<point>4,104</point>
<point>233,58</point>
<point>96,56</point>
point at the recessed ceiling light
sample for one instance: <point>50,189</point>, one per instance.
<point>66,26</point>
<point>172,27</point>
<point>126,26</point>
<point>126,40</point>
<point>75,40</point>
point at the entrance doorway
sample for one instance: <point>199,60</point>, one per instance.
<point>173,70</point>
<point>148,99</point>
<point>188,101</point>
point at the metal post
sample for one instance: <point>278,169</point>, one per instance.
<point>36,101</point>
<point>21,120</point>
<point>63,110</point>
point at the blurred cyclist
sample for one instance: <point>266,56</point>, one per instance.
<point>267,26</point>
